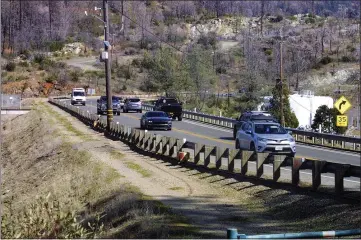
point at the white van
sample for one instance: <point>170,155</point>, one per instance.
<point>78,96</point>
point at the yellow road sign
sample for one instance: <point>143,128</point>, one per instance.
<point>341,121</point>
<point>342,105</point>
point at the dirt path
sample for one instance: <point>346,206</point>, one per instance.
<point>208,207</point>
<point>213,202</point>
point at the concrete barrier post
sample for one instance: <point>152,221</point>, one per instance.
<point>220,152</point>
<point>165,141</point>
<point>158,139</point>
<point>317,167</point>
<point>233,154</point>
<point>296,165</point>
<point>207,155</point>
<point>277,163</point>
<point>261,157</point>
<point>340,173</point>
<point>197,152</point>
<point>246,156</point>
<point>179,143</point>
<point>172,146</point>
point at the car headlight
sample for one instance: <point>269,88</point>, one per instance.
<point>149,121</point>
<point>261,139</point>
<point>291,139</point>
<point>169,122</point>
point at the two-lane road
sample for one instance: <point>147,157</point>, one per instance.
<point>217,136</point>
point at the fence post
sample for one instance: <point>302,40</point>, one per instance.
<point>277,163</point>
<point>261,157</point>
<point>220,152</point>
<point>246,156</point>
<point>340,173</point>
<point>296,165</point>
<point>197,152</point>
<point>207,155</point>
<point>233,154</point>
<point>317,167</point>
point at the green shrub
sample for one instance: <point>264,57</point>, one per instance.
<point>124,88</point>
<point>52,78</point>
<point>326,60</point>
<point>346,59</point>
<point>136,62</point>
<point>310,20</point>
<point>277,19</point>
<point>23,64</point>
<point>10,67</point>
<point>26,53</point>
<point>56,46</point>
<point>268,52</point>
<point>39,58</point>
<point>350,48</point>
<point>75,76</point>
<point>292,18</point>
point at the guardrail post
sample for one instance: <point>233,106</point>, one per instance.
<point>340,173</point>
<point>246,156</point>
<point>158,139</point>
<point>342,144</point>
<point>172,145</point>
<point>332,143</point>
<point>197,152</point>
<point>220,152</point>
<point>232,233</point>
<point>317,167</point>
<point>261,157</point>
<point>207,155</point>
<point>232,155</point>
<point>296,165</point>
<point>165,141</point>
<point>277,163</point>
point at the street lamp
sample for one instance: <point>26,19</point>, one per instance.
<point>105,57</point>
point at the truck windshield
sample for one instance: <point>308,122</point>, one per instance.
<point>78,94</point>
<point>269,129</point>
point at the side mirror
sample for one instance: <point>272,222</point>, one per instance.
<point>97,100</point>
<point>290,132</point>
<point>249,132</point>
<point>181,103</point>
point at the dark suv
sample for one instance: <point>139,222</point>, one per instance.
<point>102,104</point>
<point>252,116</point>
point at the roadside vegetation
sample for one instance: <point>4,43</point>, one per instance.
<point>53,190</point>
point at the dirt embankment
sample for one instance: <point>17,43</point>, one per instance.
<point>92,174</point>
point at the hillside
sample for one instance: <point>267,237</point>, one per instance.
<point>187,46</point>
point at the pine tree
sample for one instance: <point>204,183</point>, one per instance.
<point>290,117</point>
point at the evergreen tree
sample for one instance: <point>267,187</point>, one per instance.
<point>275,108</point>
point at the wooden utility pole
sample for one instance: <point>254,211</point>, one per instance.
<point>281,87</point>
<point>107,67</point>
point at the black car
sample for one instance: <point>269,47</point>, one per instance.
<point>252,116</point>
<point>156,119</point>
<point>102,104</point>
<point>171,106</point>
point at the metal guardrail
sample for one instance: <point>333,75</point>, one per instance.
<point>233,234</point>
<point>216,157</point>
<point>306,137</point>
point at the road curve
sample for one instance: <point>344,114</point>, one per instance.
<point>216,136</point>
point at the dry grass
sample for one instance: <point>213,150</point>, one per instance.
<point>138,169</point>
<point>37,160</point>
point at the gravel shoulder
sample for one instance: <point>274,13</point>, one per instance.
<point>212,202</point>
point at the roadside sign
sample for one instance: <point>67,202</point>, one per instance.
<point>341,121</point>
<point>342,105</point>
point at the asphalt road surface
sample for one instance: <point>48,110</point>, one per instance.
<point>216,136</point>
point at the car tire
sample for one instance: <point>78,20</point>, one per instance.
<point>234,133</point>
<point>83,104</point>
<point>237,145</point>
<point>140,111</point>
<point>169,129</point>
<point>292,155</point>
<point>179,118</point>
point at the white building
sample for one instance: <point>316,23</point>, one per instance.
<point>304,105</point>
